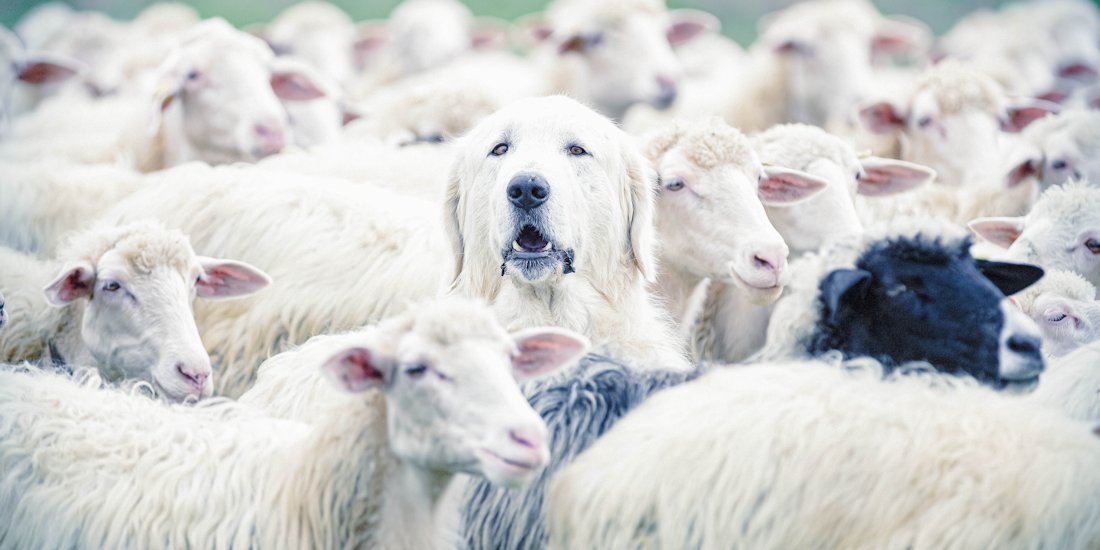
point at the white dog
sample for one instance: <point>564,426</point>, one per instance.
<point>549,209</point>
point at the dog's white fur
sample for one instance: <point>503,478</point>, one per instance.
<point>601,206</point>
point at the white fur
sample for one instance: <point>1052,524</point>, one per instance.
<point>1066,308</point>
<point>109,469</point>
<point>1072,384</point>
<point>797,455</point>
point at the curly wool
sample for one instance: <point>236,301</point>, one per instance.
<point>706,143</point>
<point>1056,281</point>
<point>958,88</point>
<point>798,146</point>
<point>1073,203</point>
<point>144,244</point>
<point>576,16</point>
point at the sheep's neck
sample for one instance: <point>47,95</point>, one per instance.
<point>66,340</point>
<point>412,497</point>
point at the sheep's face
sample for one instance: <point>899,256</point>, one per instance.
<point>228,95</point>
<point>1061,157</point>
<point>137,321</point>
<point>1066,323</point>
<point>962,146</point>
<point>712,224</point>
<point>625,63</point>
<point>912,299</point>
<point>456,407</point>
<point>544,188</point>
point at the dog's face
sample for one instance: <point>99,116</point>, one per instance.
<point>546,187</point>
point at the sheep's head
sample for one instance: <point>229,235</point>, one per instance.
<point>449,372</point>
<point>1061,149</point>
<point>1066,308</point>
<point>228,88</point>
<point>137,282</point>
<point>1062,231</point>
<point>711,217</point>
<point>915,298</point>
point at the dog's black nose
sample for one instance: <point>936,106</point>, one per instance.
<point>528,191</point>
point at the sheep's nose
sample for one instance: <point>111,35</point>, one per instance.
<point>1023,344</point>
<point>666,92</point>
<point>270,137</point>
<point>529,437</point>
<point>528,191</point>
<point>768,265</point>
<point>196,375</point>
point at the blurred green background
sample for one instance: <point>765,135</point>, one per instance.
<point>738,16</point>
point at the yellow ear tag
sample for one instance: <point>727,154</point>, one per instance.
<point>167,101</point>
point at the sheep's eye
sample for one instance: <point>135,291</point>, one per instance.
<point>1057,318</point>
<point>1058,164</point>
<point>193,75</point>
<point>577,150</point>
<point>924,121</point>
<point>417,370</point>
<point>111,286</point>
<point>1093,245</point>
<point>499,150</point>
<point>675,185</point>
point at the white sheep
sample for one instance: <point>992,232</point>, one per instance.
<point>809,454</point>
<point>733,324</point>
<point>119,299</point>
<point>21,68</point>
<point>318,32</point>
<point>430,394</point>
<point>1061,147</point>
<point>1066,308</point>
<point>215,70</point>
<point>1072,384</point>
<point>1062,231</point>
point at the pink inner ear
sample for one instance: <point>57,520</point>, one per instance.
<point>881,118</point>
<point>1021,172</point>
<point>793,47</point>
<point>998,232</point>
<point>786,188</point>
<point>886,179</point>
<point>294,87</point>
<point>542,353</point>
<point>228,280</point>
<point>73,284</point>
<point>45,72</point>
<point>353,370</point>
<point>682,32</point>
<point>1020,117</point>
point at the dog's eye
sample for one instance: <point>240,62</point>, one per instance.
<point>577,150</point>
<point>499,150</point>
<point>674,185</point>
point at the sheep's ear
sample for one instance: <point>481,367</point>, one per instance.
<point>228,279</point>
<point>1019,115</point>
<point>530,30</point>
<point>74,282</point>
<point>641,186</point>
<point>545,349</point>
<point>489,33</point>
<point>843,288</point>
<point>1000,231</point>
<point>793,46</point>
<point>41,68</point>
<point>1010,278</point>
<point>784,186</point>
<point>358,369</point>
<point>293,81</point>
<point>371,37</point>
<point>882,117</point>
<point>900,35</point>
<point>883,176</point>
<point>686,25</point>
<point>1029,167</point>
<point>452,218</point>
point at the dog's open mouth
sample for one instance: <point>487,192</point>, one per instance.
<point>531,250</point>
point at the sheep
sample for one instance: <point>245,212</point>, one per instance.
<point>1072,384</point>
<point>712,190</point>
<point>1062,147</point>
<point>910,292</point>
<point>812,63</point>
<point>119,299</point>
<point>812,455</point>
<point>577,409</point>
<point>319,33</point>
<point>215,68</point>
<point>951,121</point>
<point>1062,231</point>
<point>1066,308</point>
<point>432,393</point>
<point>424,109</point>
<point>20,66</point>
<point>612,55</point>
<point>728,325</point>
<point>3,312</point>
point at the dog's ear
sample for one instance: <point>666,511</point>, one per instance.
<point>452,221</point>
<point>641,186</point>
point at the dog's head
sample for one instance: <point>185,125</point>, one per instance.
<point>544,188</point>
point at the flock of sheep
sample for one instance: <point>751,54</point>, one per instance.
<point>595,278</point>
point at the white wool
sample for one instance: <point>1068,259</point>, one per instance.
<point>1057,229</point>
<point>797,455</point>
<point>1071,384</point>
<point>1066,308</point>
<point>46,198</point>
<point>420,108</point>
<point>1064,146</point>
<point>318,32</point>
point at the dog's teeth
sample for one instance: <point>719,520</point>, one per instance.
<point>547,247</point>
<point>516,246</point>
